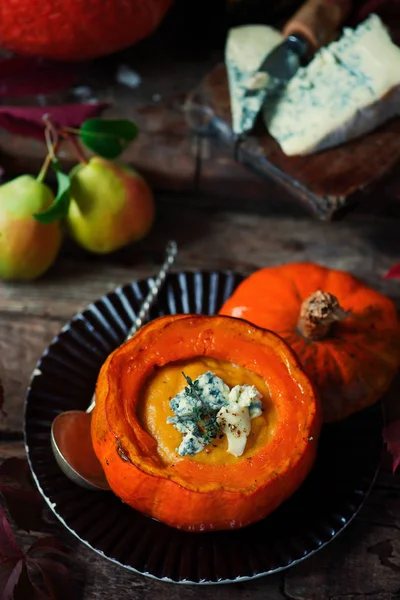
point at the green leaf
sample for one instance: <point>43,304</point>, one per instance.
<point>107,137</point>
<point>59,208</point>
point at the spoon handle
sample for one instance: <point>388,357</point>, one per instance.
<point>170,254</point>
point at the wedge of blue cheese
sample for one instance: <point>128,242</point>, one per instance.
<point>245,49</point>
<point>349,88</point>
<point>228,411</point>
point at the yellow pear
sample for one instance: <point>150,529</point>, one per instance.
<point>27,248</point>
<point>111,206</point>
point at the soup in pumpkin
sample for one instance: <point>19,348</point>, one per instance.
<point>166,382</point>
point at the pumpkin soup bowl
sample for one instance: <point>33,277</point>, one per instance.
<point>212,489</point>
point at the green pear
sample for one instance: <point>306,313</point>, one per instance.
<point>111,206</point>
<point>27,248</point>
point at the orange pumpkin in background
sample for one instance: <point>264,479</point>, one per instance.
<point>346,335</point>
<point>74,30</point>
<point>212,489</point>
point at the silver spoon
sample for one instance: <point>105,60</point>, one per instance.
<point>83,468</point>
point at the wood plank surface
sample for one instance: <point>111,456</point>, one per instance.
<point>364,561</point>
<point>170,152</point>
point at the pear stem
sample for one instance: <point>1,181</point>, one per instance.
<point>77,148</point>
<point>45,167</point>
<point>71,130</point>
<point>51,155</point>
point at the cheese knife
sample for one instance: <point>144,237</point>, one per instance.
<point>312,27</point>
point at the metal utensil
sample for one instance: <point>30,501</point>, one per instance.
<point>312,27</point>
<point>83,468</point>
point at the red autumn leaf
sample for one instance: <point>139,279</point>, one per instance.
<point>19,570</point>
<point>10,572</point>
<point>48,565</point>
<point>23,501</point>
<point>25,589</point>
<point>393,273</point>
<point>28,120</point>
<point>54,575</point>
<point>391,436</point>
<point>25,507</point>
<point>47,544</point>
<point>8,545</point>
<point>16,470</point>
<point>23,76</point>
<point>12,559</point>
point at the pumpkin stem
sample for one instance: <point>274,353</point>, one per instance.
<point>317,314</point>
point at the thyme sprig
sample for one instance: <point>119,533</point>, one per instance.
<point>205,416</point>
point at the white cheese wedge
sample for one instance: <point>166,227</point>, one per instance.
<point>350,87</point>
<point>246,47</point>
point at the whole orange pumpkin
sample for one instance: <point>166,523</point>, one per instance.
<point>346,335</point>
<point>212,489</point>
<point>73,30</point>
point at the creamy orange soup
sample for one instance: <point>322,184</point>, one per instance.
<point>168,381</point>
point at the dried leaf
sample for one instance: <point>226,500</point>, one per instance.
<point>10,572</point>
<point>28,120</point>
<point>393,273</point>
<point>8,544</point>
<point>23,76</point>
<point>391,436</point>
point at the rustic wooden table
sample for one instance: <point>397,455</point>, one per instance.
<point>364,561</point>
<point>175,150</point>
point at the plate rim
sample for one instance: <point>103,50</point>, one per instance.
<point>36,372</point>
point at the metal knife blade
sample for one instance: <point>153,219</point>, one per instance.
<point>279,65</point>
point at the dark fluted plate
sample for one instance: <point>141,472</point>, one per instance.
<point>347,463</point>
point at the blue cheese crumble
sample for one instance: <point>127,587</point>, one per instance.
<point>207,407</point>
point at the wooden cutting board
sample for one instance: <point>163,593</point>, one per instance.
<point>325,183</point>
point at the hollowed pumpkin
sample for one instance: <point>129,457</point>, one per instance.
<point>346,335</point>
<point>212,489</point>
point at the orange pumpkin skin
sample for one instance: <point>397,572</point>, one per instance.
<point>357,360</point>
<point>77,30</point>
<point>187,494</point>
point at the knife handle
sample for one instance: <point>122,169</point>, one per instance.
<point>318,20</point>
